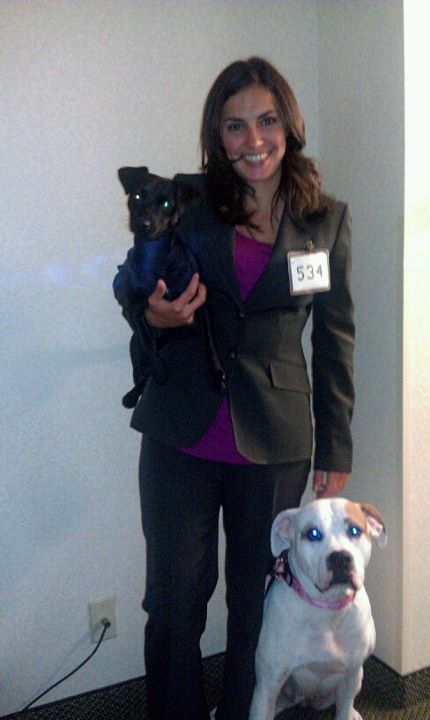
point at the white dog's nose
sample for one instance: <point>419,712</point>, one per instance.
<point>341,565</point>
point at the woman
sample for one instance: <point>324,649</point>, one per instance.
<point>260,231</point>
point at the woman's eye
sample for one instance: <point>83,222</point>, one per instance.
<point>354,531</point>
<point>314,535</point>
<point>268,121</point>
<point>234,126</point>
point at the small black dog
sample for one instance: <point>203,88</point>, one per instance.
<point>156,204</point>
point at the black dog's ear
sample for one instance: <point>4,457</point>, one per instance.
<point>184,192</point>
<point>131,178</point>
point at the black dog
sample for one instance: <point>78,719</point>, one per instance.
<point>156,204</point>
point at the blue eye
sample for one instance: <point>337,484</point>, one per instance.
<point>354,531</point>
<point>314,535</point>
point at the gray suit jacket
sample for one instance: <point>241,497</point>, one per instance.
<point>259,343</point>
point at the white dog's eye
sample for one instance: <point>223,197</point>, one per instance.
<point>354,531</point>
<point>314,535</point>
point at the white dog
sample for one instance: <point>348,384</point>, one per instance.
<point>318,628</point>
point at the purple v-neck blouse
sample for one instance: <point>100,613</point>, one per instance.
<point>218,443</point>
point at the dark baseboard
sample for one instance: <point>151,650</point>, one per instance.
<point>127,700</point>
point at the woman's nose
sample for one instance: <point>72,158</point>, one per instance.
<point>254,136</point>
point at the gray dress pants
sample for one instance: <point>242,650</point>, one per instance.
<point>181,498</point>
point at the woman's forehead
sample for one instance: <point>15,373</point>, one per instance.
<point>253,101</point>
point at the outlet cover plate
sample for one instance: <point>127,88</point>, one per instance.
<point>105,608</point>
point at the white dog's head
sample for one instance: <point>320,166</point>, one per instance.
<point>329,540</point>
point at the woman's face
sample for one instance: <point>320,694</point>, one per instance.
<point>253,136</point>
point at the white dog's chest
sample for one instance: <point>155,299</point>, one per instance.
<point>332,636</point>
<point>313,684</point>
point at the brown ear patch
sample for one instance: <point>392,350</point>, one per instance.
<point>372,511</point>
<point>355,513</point>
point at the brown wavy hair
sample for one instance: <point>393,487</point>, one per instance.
<point>300,185</point>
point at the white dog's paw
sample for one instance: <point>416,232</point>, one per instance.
<point>354,715</point>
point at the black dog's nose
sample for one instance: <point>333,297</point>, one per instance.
<point>340,564</point>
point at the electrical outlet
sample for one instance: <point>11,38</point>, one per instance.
<point>97,611</point>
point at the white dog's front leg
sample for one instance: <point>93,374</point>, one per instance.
<point>264,701</point>
<point>345,696</point>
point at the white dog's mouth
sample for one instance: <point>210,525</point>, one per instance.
<point>349,581</point>
<point>342,570</point>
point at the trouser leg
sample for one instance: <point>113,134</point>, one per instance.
<point>290,484</point>
<point>248,507</point>
<point>180,498</point>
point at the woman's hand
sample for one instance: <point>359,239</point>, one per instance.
<point>329,483</point>
<point>164,314</point>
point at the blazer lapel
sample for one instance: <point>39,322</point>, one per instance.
<point>273,287</point>
<point>220,256</point>
<point>213,244</point>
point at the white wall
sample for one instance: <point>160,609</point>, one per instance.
<point>85,88</point>
<point>362,155</point>
<point>416,355</point>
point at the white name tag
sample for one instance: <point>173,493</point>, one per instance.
<point>309,272</point>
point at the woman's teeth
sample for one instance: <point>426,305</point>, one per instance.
<point>256,158</point>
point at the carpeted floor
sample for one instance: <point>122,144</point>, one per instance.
<point>385,696</point>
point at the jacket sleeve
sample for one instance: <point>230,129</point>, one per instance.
<point>333,335</point>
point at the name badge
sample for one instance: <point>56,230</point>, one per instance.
<point>309,272</point>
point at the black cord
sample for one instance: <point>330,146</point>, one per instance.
<point>106,624</point>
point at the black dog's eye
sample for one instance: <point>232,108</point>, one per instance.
<point>165,204</point>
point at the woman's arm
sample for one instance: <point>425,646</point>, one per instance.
<point>332,368</point>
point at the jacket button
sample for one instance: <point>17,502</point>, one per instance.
<point>233,354</point>
<point>240,314</point>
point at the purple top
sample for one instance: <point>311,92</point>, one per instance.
<point>218,443</point>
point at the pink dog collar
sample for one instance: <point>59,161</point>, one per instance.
<point>282,570</point>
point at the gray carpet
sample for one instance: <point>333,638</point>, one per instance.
<point>385,696</point>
